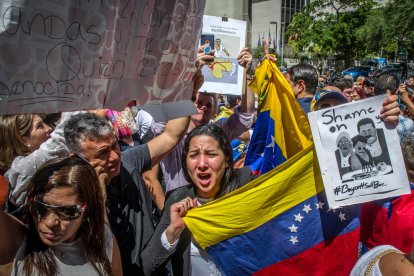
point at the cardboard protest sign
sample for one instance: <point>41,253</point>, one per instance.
<point>359,155</point>
<point>73,55</point>
<point>226,38</point>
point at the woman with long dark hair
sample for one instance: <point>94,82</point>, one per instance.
<point>207,161</point>
<point>64,231</point>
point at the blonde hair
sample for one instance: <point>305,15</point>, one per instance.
<point>12,130</point>
<point>360,80</point>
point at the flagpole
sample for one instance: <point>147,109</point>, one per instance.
<point>276,47</point>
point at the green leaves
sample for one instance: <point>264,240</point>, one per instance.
<point>352,29</point>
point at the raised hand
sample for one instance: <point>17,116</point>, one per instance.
<point>177,212</point>
<point>245,58</point>
<point>266,51</point>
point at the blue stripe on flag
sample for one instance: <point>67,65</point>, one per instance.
<point>264,154</point>
<point>287,235</point>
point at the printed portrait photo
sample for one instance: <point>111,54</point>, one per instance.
<point>363,156</point>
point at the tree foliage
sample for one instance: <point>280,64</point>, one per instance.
<point>352,29</point>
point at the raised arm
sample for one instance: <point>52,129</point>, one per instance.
<point>247,103</point>
<point>24,167</point>
<point>154,186</point>
<point>161,145</point>
<point>402,90</point>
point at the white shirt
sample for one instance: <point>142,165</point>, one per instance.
<point>374,148</point>
<point>201,264</point>
<point>344,159</point>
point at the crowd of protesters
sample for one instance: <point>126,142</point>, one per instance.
<point>104,192</point>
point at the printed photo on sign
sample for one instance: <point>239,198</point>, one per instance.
<point>353,145</point>
<point>223,67</point>
<point>364,155</point>
<point>223,40</point>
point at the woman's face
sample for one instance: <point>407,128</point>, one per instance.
<point>52,228</point>
<point>206,164</point>
<point>344,143</point>
<point>39,132</point>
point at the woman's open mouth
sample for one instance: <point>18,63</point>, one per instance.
<point>204,178</point>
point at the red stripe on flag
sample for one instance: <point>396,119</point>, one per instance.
<point>332,257</point>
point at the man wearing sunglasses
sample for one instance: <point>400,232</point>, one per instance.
<point>128,200</point>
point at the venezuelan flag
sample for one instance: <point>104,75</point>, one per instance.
<point>282,128</point>
<point>279,224</point>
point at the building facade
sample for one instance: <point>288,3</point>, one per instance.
<point>272,17</point>
<point>236,9</point>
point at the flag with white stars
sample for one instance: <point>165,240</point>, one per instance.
<point>282,128</point>
<point>280,224</point>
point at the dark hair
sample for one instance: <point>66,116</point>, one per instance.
<point>232,100</point>
<point>78,174</point>
<point>368,81</point>
<point>365,121</point>
<point>218,134</point>
<point>386,81</point>
<point>304,72</point>
<point>407,147</point>
<point>194,96</point>
<point>84,126</point>
<point>359,138</point>
<point>342,83</point>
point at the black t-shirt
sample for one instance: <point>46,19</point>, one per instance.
<point>129,207</point>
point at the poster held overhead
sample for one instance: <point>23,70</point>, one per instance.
<point>74,55</point>
<point>223,75</point>
<point>354,149</point>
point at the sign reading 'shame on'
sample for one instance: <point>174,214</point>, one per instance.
<point>85,54</point>
<point>358,153</point>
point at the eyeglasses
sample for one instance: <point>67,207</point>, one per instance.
<point>341,144</point>
<point>64,213</point>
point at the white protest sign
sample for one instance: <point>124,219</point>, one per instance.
<point>226,38</point>
<point>359,155</point>
<point>86,54</point>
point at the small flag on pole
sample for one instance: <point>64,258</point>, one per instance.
<point>269,39</point>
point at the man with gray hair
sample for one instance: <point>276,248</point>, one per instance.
<point>128,201</point>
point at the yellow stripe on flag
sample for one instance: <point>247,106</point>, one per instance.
<point>292,130</point>
<point>257,202</point>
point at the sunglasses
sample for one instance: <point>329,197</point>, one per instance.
<point>64,213</point>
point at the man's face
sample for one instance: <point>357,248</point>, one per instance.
<point>360,148</point>
<point>296,87</point>
<point>204,106</point>
<point>410,81</point>
<point>369,91</point>
<point>349,94</point>
<point>103,152</point>
<point>368,131</point>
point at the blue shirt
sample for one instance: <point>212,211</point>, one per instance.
<point>305,103</point>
